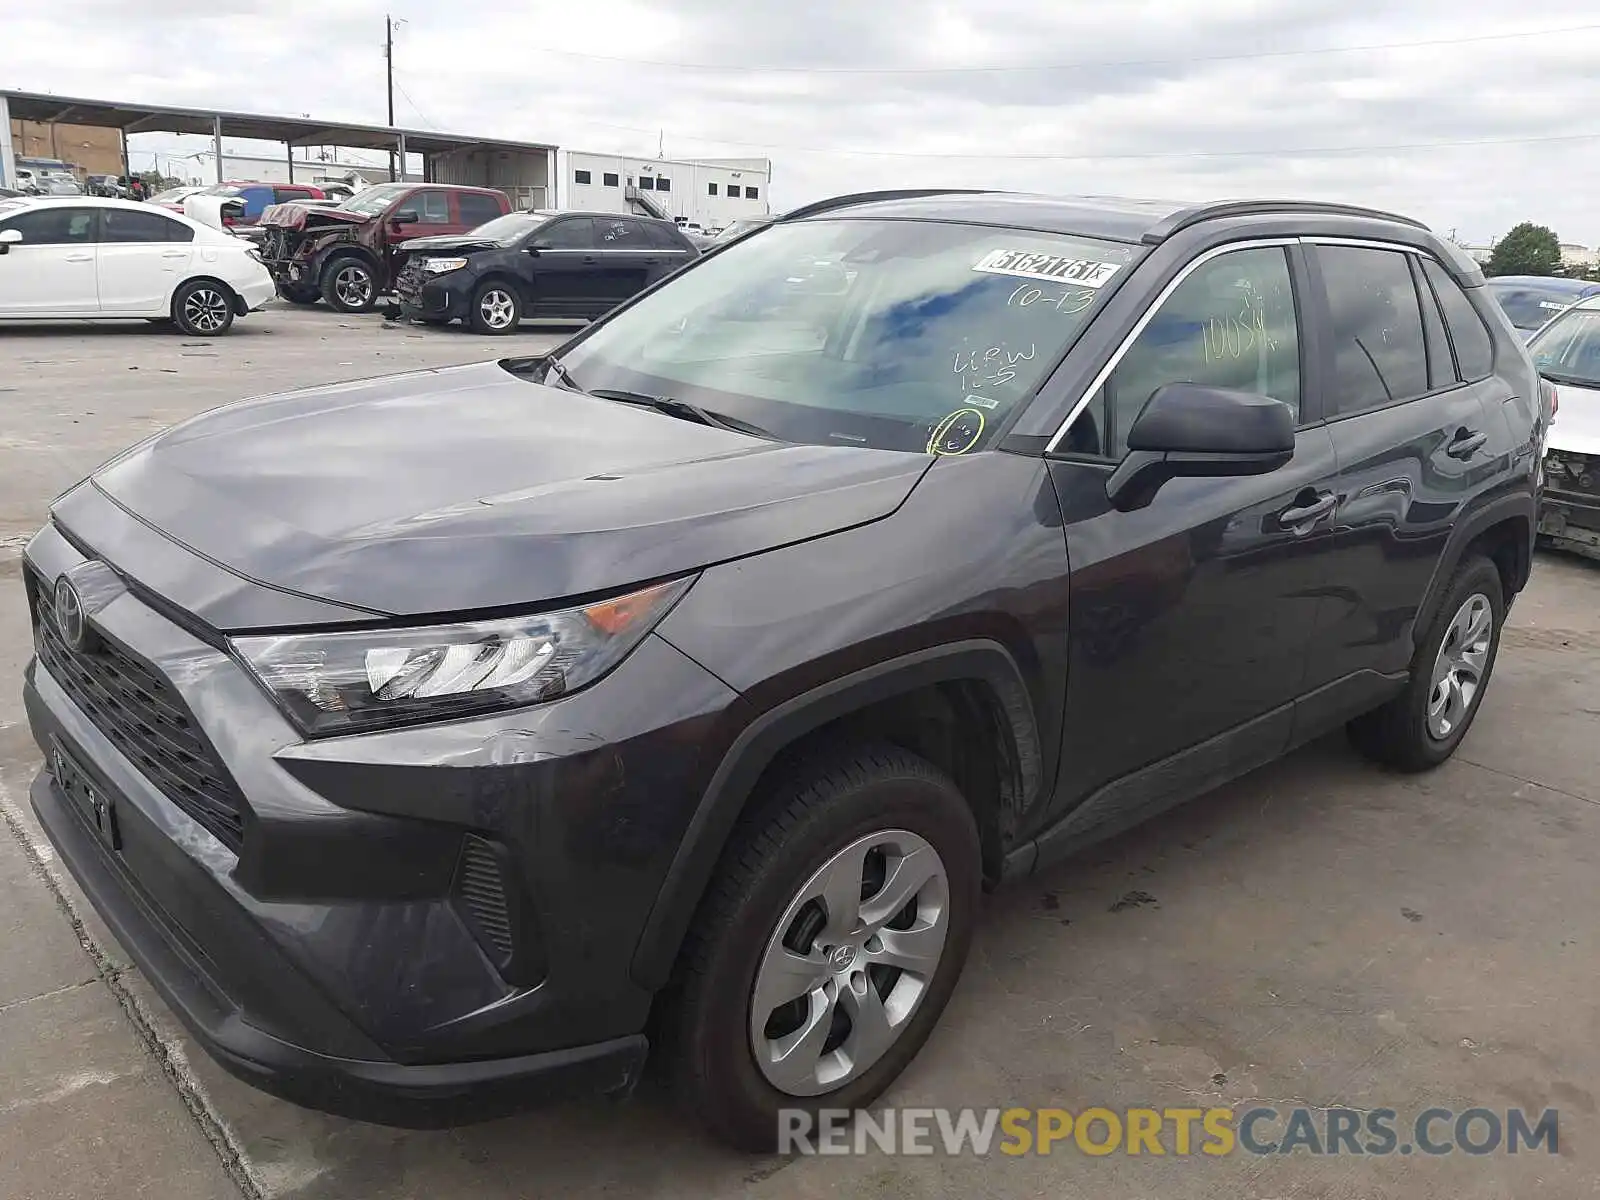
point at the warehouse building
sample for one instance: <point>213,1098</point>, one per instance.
<point>709,192</point>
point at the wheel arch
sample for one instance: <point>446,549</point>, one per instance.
<point>921,701</point>
<point>1502,530</point>
<point>236,302</point>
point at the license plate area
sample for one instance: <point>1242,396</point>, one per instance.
<point>92,801</point>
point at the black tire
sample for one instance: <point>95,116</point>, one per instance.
<point>349,284</point>
<point>203,308</point>
<point>813,811</point>
<point>496,308</point>
<point>1398,734</point>
<point>304,295</point>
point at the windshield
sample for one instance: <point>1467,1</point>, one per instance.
<point>1528,304</point>
<point>172,194</point>
<point>374,200</point>
<point>222,189</point>
<point>906,335</point>
<point>1569,348</point>
<point>506,229</point>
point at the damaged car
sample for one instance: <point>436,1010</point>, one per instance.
<point>1567,353</point>
<point>347,255</point>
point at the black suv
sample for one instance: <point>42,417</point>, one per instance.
<point>443,740</point>
<point>536,264</point>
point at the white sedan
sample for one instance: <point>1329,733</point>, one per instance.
<point>92,258</point>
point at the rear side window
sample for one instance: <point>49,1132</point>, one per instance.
<point>1473,346</point>
<point>286,194</point>
<point>1441,364</point>
<point>126,225</point>
<point>477,209</point>
<point>619,233</point>
<point>661,237</point>
<point>1379,355</point>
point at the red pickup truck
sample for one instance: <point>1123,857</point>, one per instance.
<point>346,255</point>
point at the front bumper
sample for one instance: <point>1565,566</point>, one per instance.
<point>414,1095</point>
<point>332,946</point>
<point>433,297</point>
<point>1570,521</point>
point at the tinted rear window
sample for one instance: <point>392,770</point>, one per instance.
<point>1529,305</point>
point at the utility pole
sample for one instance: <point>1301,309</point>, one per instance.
<point>388,63</point>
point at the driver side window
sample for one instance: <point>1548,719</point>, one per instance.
<point>1229,324</point>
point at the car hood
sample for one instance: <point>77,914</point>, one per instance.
<point>470,488</point>
<point>458,243</point>
<point>1576,428</point>
<point>290,215</point>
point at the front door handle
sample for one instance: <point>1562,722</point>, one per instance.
<point>589,258</point>
<point>1466,443</point>
<point>81,256</point>
<point>1301,517</point>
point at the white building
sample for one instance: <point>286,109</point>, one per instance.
<point>710,192</point>
<point>261,168</point>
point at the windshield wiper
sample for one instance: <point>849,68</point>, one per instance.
<point>1570,380</point>
<point>681,409</point>
<point>554,366</point>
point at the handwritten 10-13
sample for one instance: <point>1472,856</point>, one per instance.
<point>1071,303</point>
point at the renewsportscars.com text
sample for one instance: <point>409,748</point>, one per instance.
<point>1212,1132</point>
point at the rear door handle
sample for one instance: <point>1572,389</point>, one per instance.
<point>174,254</point>
<point>1466,443</point>
<point>589,258</point>
<point>81,256</point>
<point>1302,517</point>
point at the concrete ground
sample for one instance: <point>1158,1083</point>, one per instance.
<point>1318,934</point>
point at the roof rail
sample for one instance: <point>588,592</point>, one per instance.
<point>855,198</point>
<point>1168,226</point>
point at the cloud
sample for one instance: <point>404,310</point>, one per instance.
<point>1146,97</point>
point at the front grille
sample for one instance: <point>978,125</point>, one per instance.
<point>143,717</point>
<point>482,891</point>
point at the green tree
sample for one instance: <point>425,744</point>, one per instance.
<point>1527,249</point>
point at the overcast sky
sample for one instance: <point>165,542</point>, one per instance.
<point>1168,98</point>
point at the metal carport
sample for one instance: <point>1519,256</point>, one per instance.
<point>523,170</point>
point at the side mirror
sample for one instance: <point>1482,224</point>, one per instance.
<point>406,216</point>
<point>538,244</point>
<point>8,239</point>
<point>1190,430</point>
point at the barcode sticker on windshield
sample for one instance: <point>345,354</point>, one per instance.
<point>1026,264</point>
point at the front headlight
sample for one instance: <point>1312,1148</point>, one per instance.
<point>439,266</point>
<point>342,682</point>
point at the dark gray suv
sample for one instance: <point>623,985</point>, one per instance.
<point>443,741</point>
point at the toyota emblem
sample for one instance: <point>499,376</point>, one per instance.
<point>69,615</point>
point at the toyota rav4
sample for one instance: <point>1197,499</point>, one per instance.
<point>443,741</point>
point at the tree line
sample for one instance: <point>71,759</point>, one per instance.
<point>1529,249</point>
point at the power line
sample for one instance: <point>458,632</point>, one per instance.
<point>407,97</point>
<point>1082,64</point>
<point>1272,152</point>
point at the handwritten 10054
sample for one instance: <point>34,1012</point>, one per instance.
<point>992,367</point>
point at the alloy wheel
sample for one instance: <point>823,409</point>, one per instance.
<point>353,286</point>
<point>1459,668</point>
<point>497,308</point>
<point>206,310</point>
<point>851,958</point>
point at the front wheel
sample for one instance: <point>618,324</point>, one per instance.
<point>348,285</point>
<point>1423,725</point>
<point>829,944</point>
<point>496,308</point>
<point>201,308</point>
